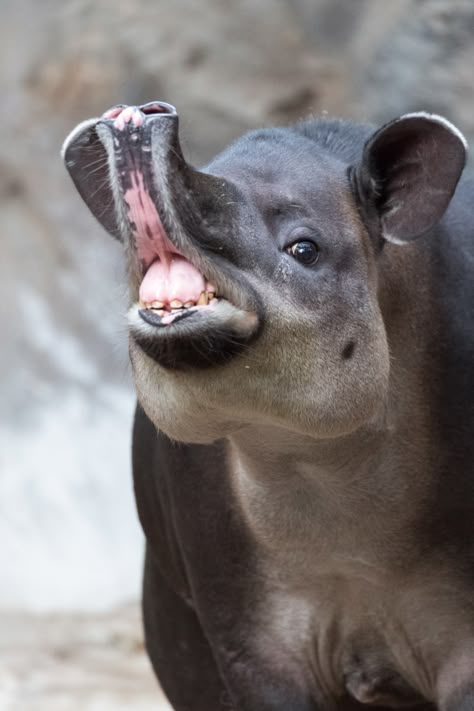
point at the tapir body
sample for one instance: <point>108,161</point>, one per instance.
<point>301,336</point>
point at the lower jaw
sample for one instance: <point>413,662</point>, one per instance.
<point>181,352</point>
<point>198,338</point>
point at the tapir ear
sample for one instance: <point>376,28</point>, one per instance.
<point>408,173</point>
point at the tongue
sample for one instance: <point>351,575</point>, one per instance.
<point>173,280</point>
<point>169,276</point>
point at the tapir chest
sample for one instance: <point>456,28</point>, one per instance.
<point>375,638</point>
<point>348,594</point>
<point>336,605</point>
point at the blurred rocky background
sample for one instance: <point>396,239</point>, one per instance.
<point>70,546</point>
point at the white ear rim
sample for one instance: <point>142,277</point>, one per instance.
<point>450,127</point>
<point>75,131</point>
<point>442,121</point>
<point>394,240</point>
<point>390,238</point>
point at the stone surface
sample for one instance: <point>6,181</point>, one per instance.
<point>422,60</point>
<point>76,663</point>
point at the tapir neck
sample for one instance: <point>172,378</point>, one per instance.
<point>362,494</point>
<point>337,499</point>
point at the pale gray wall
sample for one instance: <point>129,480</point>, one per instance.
<point>68,533</point>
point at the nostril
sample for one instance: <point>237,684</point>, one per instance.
<point>157,107</point>
<point>114,111</point>
<point>134,118</point>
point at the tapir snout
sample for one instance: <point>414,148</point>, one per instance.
<point>176,223</point>
<point>301,336</point>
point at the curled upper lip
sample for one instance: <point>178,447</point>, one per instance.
<point>178,191</point>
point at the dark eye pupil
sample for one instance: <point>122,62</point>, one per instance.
<point>305,252</point>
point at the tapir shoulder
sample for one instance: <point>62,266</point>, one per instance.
<point>451,253</point>
<point>154,503</point>
<point>187,508</point>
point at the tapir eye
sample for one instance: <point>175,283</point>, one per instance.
<point>305,252</point>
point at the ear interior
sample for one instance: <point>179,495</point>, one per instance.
<point>409,172</point>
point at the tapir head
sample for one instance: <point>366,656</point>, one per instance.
<point>254,282</point>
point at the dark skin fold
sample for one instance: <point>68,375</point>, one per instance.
<point>303,450</point>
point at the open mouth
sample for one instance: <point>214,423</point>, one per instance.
<point>180,317</point>
<point>172,287</point>
<point>180,320</point>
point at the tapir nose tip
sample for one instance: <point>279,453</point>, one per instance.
<point>157,107</point>
<point>124,141</point>
<point>123,116</point>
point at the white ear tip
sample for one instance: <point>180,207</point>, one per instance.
<point>441,120</point>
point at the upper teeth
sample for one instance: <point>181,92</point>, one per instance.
<point>204,298</point>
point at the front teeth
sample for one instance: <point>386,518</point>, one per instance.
<point>176,305</point>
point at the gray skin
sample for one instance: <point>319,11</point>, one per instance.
<point>308,499</point>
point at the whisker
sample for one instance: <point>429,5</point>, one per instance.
<point>106,207</point>
<point>102,160</point>
<point>96,170</point>
<point>100,186</point>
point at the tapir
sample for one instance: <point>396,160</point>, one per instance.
<point>301,334</point>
